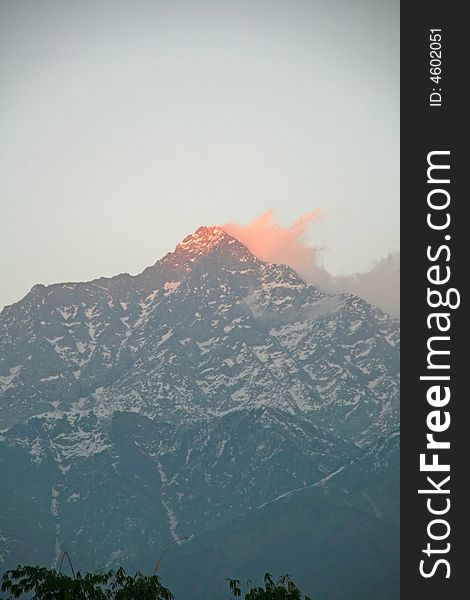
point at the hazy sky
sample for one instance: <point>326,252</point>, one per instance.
<point>126,125</point>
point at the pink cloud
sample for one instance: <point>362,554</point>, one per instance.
<point>270,241</point>
<point>288,245</point>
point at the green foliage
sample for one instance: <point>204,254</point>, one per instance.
<point>284,589</point>
<point>40,583</point>
<point>49,584</point>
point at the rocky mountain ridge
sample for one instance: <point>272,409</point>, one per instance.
<point>209,386</point>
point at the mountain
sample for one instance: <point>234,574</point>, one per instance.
<point>187,400</point>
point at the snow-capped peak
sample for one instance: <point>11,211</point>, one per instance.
<point>203,240</point>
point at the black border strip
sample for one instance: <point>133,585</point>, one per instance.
<point>424,129</point>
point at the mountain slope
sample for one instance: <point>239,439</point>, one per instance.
<point>208,329</point>
<point>334,546</point>
<point>208,388</point>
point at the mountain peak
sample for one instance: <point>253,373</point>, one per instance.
<point>206,242</point>
<point>203,240</point>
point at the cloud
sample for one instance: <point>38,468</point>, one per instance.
<point>287,245</point>
<point>379,286</point>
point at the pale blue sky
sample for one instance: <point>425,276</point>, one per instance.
<point>126,125</point>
